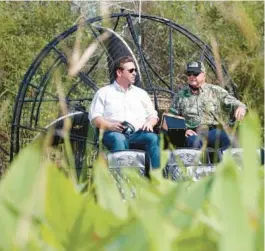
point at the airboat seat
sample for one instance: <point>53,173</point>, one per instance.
<point>128,160</point>
<point>37,98</point>
<point>184,163</point>
<point>237,155</point>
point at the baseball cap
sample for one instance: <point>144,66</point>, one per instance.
<point>195,66</point>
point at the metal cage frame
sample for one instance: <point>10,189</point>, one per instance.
<point>206,55</point>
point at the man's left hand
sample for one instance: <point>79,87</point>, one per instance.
<point>148,126</point>
<point>240,113</point>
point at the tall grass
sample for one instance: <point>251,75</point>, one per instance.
<point>42,209</point>
<point>238,35</point>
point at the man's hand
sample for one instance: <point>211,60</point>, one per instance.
<point>190,132</point>
<point>104,124</point>
<point>148,126</point>
<point>115,126</point>
<point>240,113</point>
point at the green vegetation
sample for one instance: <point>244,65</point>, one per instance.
<point>41,208</point>
<point>28,26</point>
<point>238,29</point>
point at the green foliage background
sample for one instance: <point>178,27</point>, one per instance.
<point>237,27</point>
<point>43,208</point>
<point>26,27</point>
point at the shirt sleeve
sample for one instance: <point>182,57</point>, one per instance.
<point>150,110</point>
<point>97,106</point>
<point>228,100</point>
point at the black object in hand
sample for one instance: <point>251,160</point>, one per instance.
<point>128,128</point>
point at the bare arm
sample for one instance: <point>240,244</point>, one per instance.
<point>152,118</point>
<point>150,123</point>
<point>104,124</point>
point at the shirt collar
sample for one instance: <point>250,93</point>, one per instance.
<point>119,88</point>
<point>202,88</point>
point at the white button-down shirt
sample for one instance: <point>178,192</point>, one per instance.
<point>115,104</point>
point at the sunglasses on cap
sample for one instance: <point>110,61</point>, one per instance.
<point>131,70</point>
<point>190,73</point>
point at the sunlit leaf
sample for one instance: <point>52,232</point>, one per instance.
<point>197,238</point>
<point>108,195</point>
<point>130,237</point>
<point>63,204</point>
<point>236,232</point>
<point>250,140</point>
<point>187,200</point>
<point>15,189</point>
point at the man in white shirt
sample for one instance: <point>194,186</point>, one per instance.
<point>122,101</point>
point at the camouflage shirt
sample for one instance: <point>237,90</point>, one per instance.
<point>204,108</point>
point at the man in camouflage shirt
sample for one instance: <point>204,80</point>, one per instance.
<point>201,105</point>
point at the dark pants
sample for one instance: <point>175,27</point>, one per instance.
<point>216,138</point>
<point>116,141</point>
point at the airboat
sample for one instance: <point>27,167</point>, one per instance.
<point>37,106</point>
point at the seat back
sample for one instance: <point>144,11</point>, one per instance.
<point>180,159</point>
<point>197,172</point>
<point>133,159</point>
<point>190,156</point>
<point>237,154</point>
<point>127,159</point>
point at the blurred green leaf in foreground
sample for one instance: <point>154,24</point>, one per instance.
<point>42,209</point>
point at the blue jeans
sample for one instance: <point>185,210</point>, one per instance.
<point>116,141</point>
<point>216,139</point>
